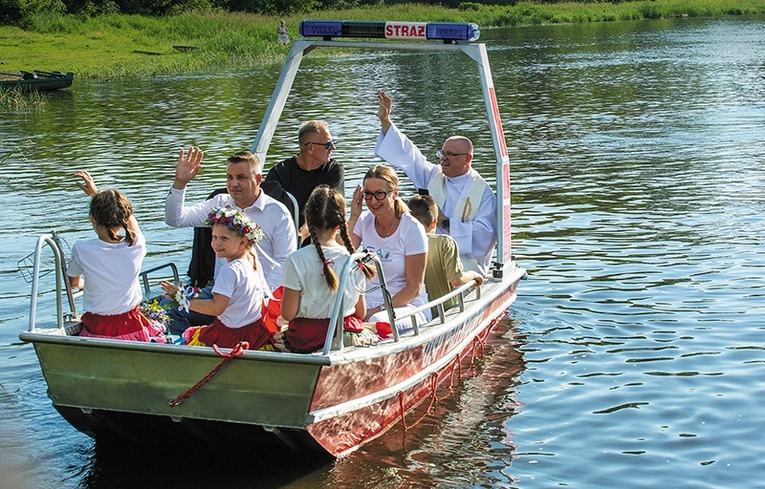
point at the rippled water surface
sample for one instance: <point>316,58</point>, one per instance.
<point>635,354</point>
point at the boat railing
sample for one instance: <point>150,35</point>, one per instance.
<point>144,276</point>
<point>64,318</point>
<point>62,284</point>
<point>460,293</point>
<point>334,339</point>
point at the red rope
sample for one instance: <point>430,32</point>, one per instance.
<point>227,357</point>
<point>455,363</point>
<point>433,397</point>
<point>478,342</point>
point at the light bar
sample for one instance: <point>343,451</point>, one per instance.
<point>440,31</point>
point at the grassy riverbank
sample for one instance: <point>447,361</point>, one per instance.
<point>117,45</point>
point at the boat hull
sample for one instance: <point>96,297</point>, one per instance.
<point>44,81</point>
<point>327,403</point>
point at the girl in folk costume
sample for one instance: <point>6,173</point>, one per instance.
<point>110,265</point>
<point>310,279</point>
<point>238,291</point>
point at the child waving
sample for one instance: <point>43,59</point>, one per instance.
<point>110,265</point>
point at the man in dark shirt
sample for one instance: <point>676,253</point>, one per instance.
<point>311,167</point>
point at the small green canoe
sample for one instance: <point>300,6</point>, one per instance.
<point>36,80</point>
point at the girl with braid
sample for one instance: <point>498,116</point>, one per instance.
<point>110,265</point>
<point>310,279</point>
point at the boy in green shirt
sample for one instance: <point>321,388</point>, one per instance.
<point>444,271</point>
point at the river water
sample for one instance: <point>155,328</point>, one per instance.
<point>635,354</point>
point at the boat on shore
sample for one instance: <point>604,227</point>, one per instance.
<point>328,402</point>
<point>36,80</point>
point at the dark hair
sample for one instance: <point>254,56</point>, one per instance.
<point>424,209</point>
<point>111,209</point>
<point>325,209</point>
<point>389,175</point>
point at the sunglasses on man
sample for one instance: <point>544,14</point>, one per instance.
<point>327,145</point>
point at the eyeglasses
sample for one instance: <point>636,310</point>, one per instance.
<point>379,195</point>
<point>448,154</point>
<point>327,145</point>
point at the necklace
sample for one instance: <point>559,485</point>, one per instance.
<point>385,234</point>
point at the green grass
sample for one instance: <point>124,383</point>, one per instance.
<point>115,45</point>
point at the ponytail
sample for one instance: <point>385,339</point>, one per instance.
<point>400,207</point>
<point>112,210</point>
<point>129,235</point>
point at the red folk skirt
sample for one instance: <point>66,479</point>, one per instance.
<point>305,335</point>
<point>217,333</point>
<point>131,325</point>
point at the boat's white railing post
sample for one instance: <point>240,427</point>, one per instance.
<point>35,274</point>
<point>334,339</point>
<point>276,104</point>
<point>479,54</point>
<point>50,240</point>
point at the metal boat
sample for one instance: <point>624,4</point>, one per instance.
<point>330,401</point>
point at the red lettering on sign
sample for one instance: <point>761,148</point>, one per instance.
<point>400,30</point>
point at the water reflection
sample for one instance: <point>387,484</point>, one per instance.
<point>465,439</point>
<point>639,196</point>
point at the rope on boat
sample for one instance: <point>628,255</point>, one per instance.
<point>227,357</point>
<point>433,398</point>
<point>456,363</point>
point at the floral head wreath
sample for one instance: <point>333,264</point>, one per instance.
<point>236,221</point>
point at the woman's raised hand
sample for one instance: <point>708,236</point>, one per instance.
<point>356,206</point>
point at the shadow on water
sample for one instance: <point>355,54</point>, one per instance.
<point>115,466</point>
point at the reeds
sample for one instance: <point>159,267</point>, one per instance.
<point>17,100</point>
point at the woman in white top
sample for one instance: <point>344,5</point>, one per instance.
<point>399,241</point>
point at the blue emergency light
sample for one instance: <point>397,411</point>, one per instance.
<point>440,31</point>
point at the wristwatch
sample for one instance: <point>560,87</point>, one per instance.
<point>445,223</point>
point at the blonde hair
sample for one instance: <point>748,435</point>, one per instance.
<point>386,173</point>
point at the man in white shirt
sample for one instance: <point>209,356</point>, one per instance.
<point>243,177</point>
<point>467,206</point>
